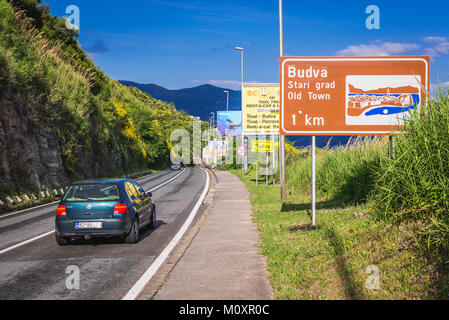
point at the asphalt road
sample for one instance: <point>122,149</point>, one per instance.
<point>108,268</point>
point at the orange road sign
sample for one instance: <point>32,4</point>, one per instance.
<point>351,95</point>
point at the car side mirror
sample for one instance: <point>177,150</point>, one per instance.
<point>149,194</point>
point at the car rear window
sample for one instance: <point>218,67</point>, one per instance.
<point>92,192</point>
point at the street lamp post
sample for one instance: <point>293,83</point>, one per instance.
<point>212,120</point>
<point>213,136</point>
<point>227,101</point>
<point>227,109</point>
<point>243,141</point>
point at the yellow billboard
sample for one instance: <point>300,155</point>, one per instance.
<point>263,146</point>
<point>261,106</point>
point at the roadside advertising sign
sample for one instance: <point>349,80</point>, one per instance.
<point>263,146</point>
<point>219,148</point>
<point>208,152</point>
<point>350,95</point>
<point>229,123</point>
<point>215,148</point>
<point>261,103</point>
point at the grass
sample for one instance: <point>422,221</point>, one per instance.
<point>346,173</point>
<point>330,261</point>
<point>415,184</point>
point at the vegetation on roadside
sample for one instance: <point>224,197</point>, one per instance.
<point>416,184</point>
<point>376,206</point>
<point>331,260</point>
<point>408,182</point>
<point>101,128</point>
<point>344,173</point>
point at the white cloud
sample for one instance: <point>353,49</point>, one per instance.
<point>378,49</point>
<point>434,39</point>
<point>441,46</point>
<point>434,87</point>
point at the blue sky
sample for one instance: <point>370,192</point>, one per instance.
<point>179,44</point>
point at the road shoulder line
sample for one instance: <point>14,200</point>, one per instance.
<point>162,275</point>
<point>26,242</point>
<point>137,288</point>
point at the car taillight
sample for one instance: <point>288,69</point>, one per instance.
<point>61,211</point>
<point>120,208</point>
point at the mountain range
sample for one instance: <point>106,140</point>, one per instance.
<point>202,100</point>
<point>198,101</point>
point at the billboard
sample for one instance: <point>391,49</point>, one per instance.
<point>215,148</point>
<point>229,123</point>
<point>350,95</point>
<point>261,104</point>
<point>219,148</point>
<point>264,146</point>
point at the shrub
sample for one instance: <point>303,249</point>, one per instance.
<point>342,173</point>
<point>416,183</point>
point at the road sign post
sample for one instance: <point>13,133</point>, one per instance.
<point>313,180</point>
<point>273,142</point>
<point>349,96</point>
<point>257,170</point>
<point>391,148</point>
<point>243,152</point>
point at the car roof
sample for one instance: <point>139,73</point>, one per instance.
<point>105,181</point>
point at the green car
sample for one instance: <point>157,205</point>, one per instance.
<point>104,208</point>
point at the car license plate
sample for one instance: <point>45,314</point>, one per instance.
<point>88,225</point>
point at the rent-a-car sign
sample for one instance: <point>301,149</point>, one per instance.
<point>350,95</point>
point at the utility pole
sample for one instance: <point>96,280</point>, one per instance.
<point>281,137</point>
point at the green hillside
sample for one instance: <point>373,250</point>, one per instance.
<point>62,117</point>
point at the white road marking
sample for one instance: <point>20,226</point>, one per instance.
<point>134,292</point>
<point>161,185</point>
<point>26,242</point>
<point>52,231</point>
<point>32,208</point>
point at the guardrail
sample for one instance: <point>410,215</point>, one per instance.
<point>17,202</point>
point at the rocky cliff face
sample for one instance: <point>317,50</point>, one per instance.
<point>29,154</point>
<point>32,153</point>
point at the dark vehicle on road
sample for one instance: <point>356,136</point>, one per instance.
<point>176,166</point>
<point>104,208</point>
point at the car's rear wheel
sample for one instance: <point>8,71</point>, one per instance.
<point>62,241</point>
<point>153,218</point>
<point>133,236</point>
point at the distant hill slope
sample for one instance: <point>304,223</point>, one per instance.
<point>198,101</point>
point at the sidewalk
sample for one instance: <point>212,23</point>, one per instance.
<point>222,262</point>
